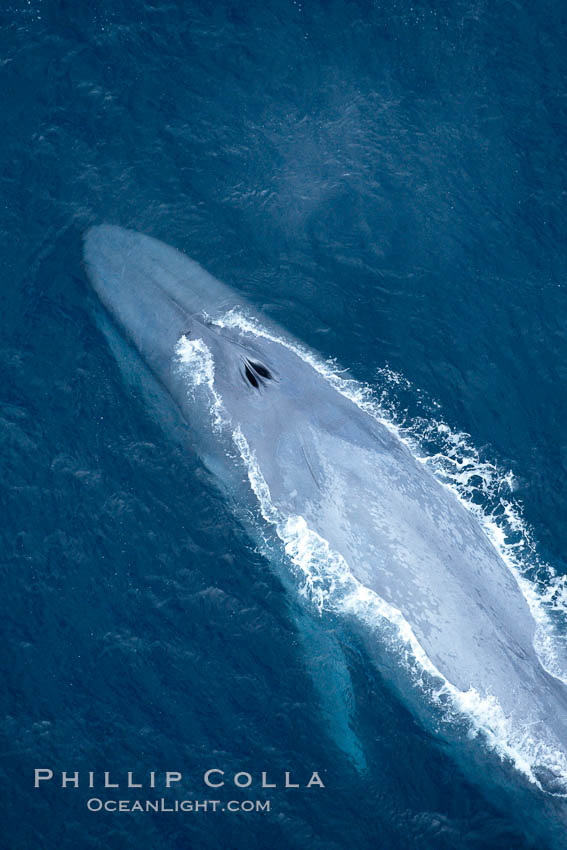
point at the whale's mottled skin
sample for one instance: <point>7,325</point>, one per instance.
<point>402,533</point>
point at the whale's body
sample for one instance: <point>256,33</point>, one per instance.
<point>401,533</point>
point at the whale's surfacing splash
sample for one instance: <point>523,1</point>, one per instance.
<point>366,527</point>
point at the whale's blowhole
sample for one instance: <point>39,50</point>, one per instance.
<point>260,369</point>
<point>256,373</point>
<point>250,376</point>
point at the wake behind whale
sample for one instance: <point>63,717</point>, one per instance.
<point>366,527</point>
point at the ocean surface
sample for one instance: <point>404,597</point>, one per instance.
<point>388,182</point>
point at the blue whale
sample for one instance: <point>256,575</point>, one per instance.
<point>365,525</point>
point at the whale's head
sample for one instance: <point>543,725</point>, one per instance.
<point>150,290</point>
<point>168,307</point>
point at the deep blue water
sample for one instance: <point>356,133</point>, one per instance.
<point>388,181</point>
